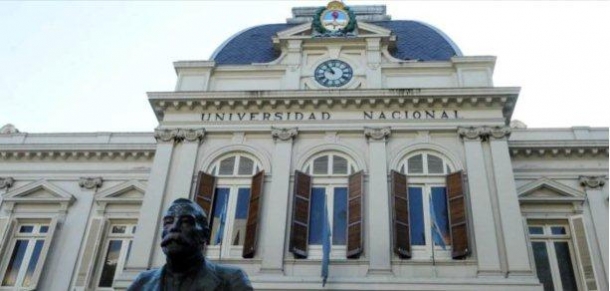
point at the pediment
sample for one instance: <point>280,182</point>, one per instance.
<point>40,191</point>
<point>128,192</point>
<point>305,31</point>
<point>545,190</point>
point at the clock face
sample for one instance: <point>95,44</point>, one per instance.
<point>333,73</point>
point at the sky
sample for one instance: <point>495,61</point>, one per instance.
<point>86,66</point>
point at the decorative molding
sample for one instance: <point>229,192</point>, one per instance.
<point>554,148</point>
<point>9,129</point>
<point>90,182</point>
<point>284,134</point>
<point>380,133</point>
<point>53,195</point>
<point>592,181</point>
<point>484,133</point>
<point>179,135</point>
<point>6,182</point>
<point>63,152</point>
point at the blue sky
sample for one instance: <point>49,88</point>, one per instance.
<point>86,66</point>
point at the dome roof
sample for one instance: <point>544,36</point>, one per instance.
<point>414,41</point>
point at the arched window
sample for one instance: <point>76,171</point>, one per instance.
<point>232,179</point>
<point>422,208</point>
<point>329,175</point>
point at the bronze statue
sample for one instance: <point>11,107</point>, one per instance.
<point>184,238</point>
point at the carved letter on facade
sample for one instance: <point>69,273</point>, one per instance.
<point>6,182</point>
<point>284,134</point>
<point>592,181</point>
<point>90,182</point>
<point>377,133</point>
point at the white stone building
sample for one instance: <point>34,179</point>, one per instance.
<point>406,140</point>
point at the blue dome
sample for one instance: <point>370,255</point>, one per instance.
<point>414,41</point>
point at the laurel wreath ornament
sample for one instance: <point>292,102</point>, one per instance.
<point>323,32</point>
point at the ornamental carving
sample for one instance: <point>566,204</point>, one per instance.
<point>592,181</point>
<point>484,133</point>
<point>381,133</point>
<point>179,135</point>
<point>284,134</point>
<point>6,182</point>
<point>90,182</point>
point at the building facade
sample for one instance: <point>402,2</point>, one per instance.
<point>382,127</point>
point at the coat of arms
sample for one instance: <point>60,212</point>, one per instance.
<point>334,20</point>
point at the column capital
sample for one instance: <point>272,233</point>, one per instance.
<point>377,133</point>
<point>284,134</point>
<point>179,135</point>
<point>90,182</point>
<point>6,182</point>
<point>592,181</point>
<point>484,133</point>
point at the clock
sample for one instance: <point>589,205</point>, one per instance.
<point>333,73</point>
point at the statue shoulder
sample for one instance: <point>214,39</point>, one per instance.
<point>233,277</point>
<point>147,280</point>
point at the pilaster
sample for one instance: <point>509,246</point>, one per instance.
<point>515,243</point>
<point>176,149</point>
<point>487,250</point>
<point>378,203</point>
<point>276,203</point>
<point>597,200</point>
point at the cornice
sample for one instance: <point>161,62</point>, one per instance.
<point>76,151</point>
<point>572,148</point>
<point>503,97</point>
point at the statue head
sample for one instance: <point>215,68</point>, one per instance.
<point>185,229</point>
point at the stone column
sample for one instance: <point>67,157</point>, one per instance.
<point>597,199</point>
<point>378,203</point>
<point>508,204</point>
<point>276,202</point>
<point>181,164</point>
<point>488,256</point>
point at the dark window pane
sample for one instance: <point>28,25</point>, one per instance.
<point>226,166</point>
<point>246,166</point>
<point>543,269</point>
<point>415,165</point>
<point>110,263</point>
<point>440,217</point>
<point>316,216</point>
<point>119,229</point>
<point>558,230</point>
<point>27,281</point>
<point>536,230</point>
<point>339,165</point>
<point>340,216</point>
<point>26,229</point>
<point>435,165</point>
<point>10,277</point>
<point>416,217</point>
<point>221,199</point>
<point>241,217</point>
<point>320,165</point>
<point>44,229</point>
<point>565,266</point>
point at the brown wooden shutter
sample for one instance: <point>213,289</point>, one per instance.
<point>204,194</point>
<point>354,215</point>
<point>299,236</point>
<point>402,231</point>
<point>457,215</point>
<point>256,191</point>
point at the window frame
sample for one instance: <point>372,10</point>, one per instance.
<point>13,236</point>
<point>448,167</point>
<point>214,168</point>
<point>123,253</point>
<point>549,240</point>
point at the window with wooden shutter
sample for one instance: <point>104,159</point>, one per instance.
<point>204,194</point>
<point>400,221</point>
<point>354,213</point>
<point>585,263</point>
<point>300,215</point>
<point>256,192</point>
<point>457,215</point>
